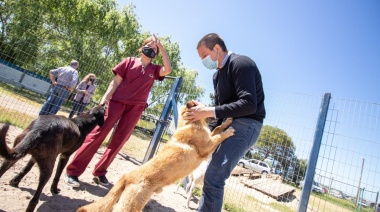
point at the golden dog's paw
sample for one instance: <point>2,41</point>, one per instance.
<point>229,131</point>
<point>227,123</point>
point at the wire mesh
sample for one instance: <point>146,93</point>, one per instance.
<point>348,171</point>
<point>284,145</point>
<point>347,166</point>
<point>349,155</point>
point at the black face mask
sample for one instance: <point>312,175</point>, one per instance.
<point>148,51</point>
<point>92,81</point>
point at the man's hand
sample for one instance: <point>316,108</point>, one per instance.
<point>200,111</point>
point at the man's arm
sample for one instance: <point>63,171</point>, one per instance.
<point>52,77</point>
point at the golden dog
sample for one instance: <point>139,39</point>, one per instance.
<point>190,145</point>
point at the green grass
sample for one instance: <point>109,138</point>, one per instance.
<point>344,203</point>
<point>280,207</point>
<point>235,201</point>
<point>230,207</point>
<point>15,118</point>
<point>197,192</point>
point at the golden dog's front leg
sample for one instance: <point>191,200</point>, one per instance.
<point>215,140</point>
<point>219,129</point>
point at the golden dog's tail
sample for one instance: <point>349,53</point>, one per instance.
<point>107,202</point>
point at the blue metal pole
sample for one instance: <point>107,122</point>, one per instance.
<point>163,119</point>
<point>312,163</point>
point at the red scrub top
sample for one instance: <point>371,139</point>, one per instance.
<point>136,84</point>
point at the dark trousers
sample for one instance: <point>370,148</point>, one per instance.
<point>77,107</point>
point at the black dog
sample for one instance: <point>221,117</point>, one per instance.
<point>45,138</point>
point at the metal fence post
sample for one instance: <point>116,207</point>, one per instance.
<point>312,163</point>
<point>163,119</point>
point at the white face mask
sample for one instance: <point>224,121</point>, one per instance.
<point>209,63</point>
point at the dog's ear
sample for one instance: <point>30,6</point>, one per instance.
<point>104,105</point>
<point>190,104</point>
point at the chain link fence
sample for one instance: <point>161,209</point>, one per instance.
<point>272,174</point>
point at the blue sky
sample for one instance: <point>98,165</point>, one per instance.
<point>307,47</point>
<point>312,47</point>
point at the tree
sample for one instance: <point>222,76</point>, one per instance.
<point>212,98</point>
<point>299,170</point>
<point>45,34</point>
<point>274,142</point>
<point>19,38</point>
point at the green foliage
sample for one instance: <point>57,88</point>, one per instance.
<point>255,155</point>
<point>232,208</point>
<point>146,124</point>
<point>276,143</point>
<point>272,138</point>
<point>299,170</point>
<point>46,34</point>
<point>342,202</point>
<point>197,192</point>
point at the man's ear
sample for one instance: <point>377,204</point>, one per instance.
<point>218,48</point>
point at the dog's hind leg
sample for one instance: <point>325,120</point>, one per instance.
<point>17,179</point>
<point>178,185</point>
<point>189,183</point>
<point>134,198</point>
<point>106,203</point>
<point>6,165</point>
<point>190,193</point>
<point>46,166</point>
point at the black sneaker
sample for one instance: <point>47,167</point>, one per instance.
<point>72,181</point>
<point>102,180</point>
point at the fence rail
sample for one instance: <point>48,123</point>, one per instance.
<point>310,168</point>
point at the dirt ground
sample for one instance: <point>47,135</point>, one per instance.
<point>69,199</point>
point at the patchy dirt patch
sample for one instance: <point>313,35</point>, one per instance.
<point>69,199</point>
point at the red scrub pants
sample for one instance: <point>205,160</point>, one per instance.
<point>129,116</point>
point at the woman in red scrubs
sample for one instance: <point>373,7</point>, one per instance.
<point>126,98</point>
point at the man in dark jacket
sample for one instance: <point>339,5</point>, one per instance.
<point>238,94</point>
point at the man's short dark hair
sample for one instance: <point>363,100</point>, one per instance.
<point>210,40</point>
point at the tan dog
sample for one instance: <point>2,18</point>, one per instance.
<point>190,145</point>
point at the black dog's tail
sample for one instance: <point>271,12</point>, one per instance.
<point>5,151</point>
